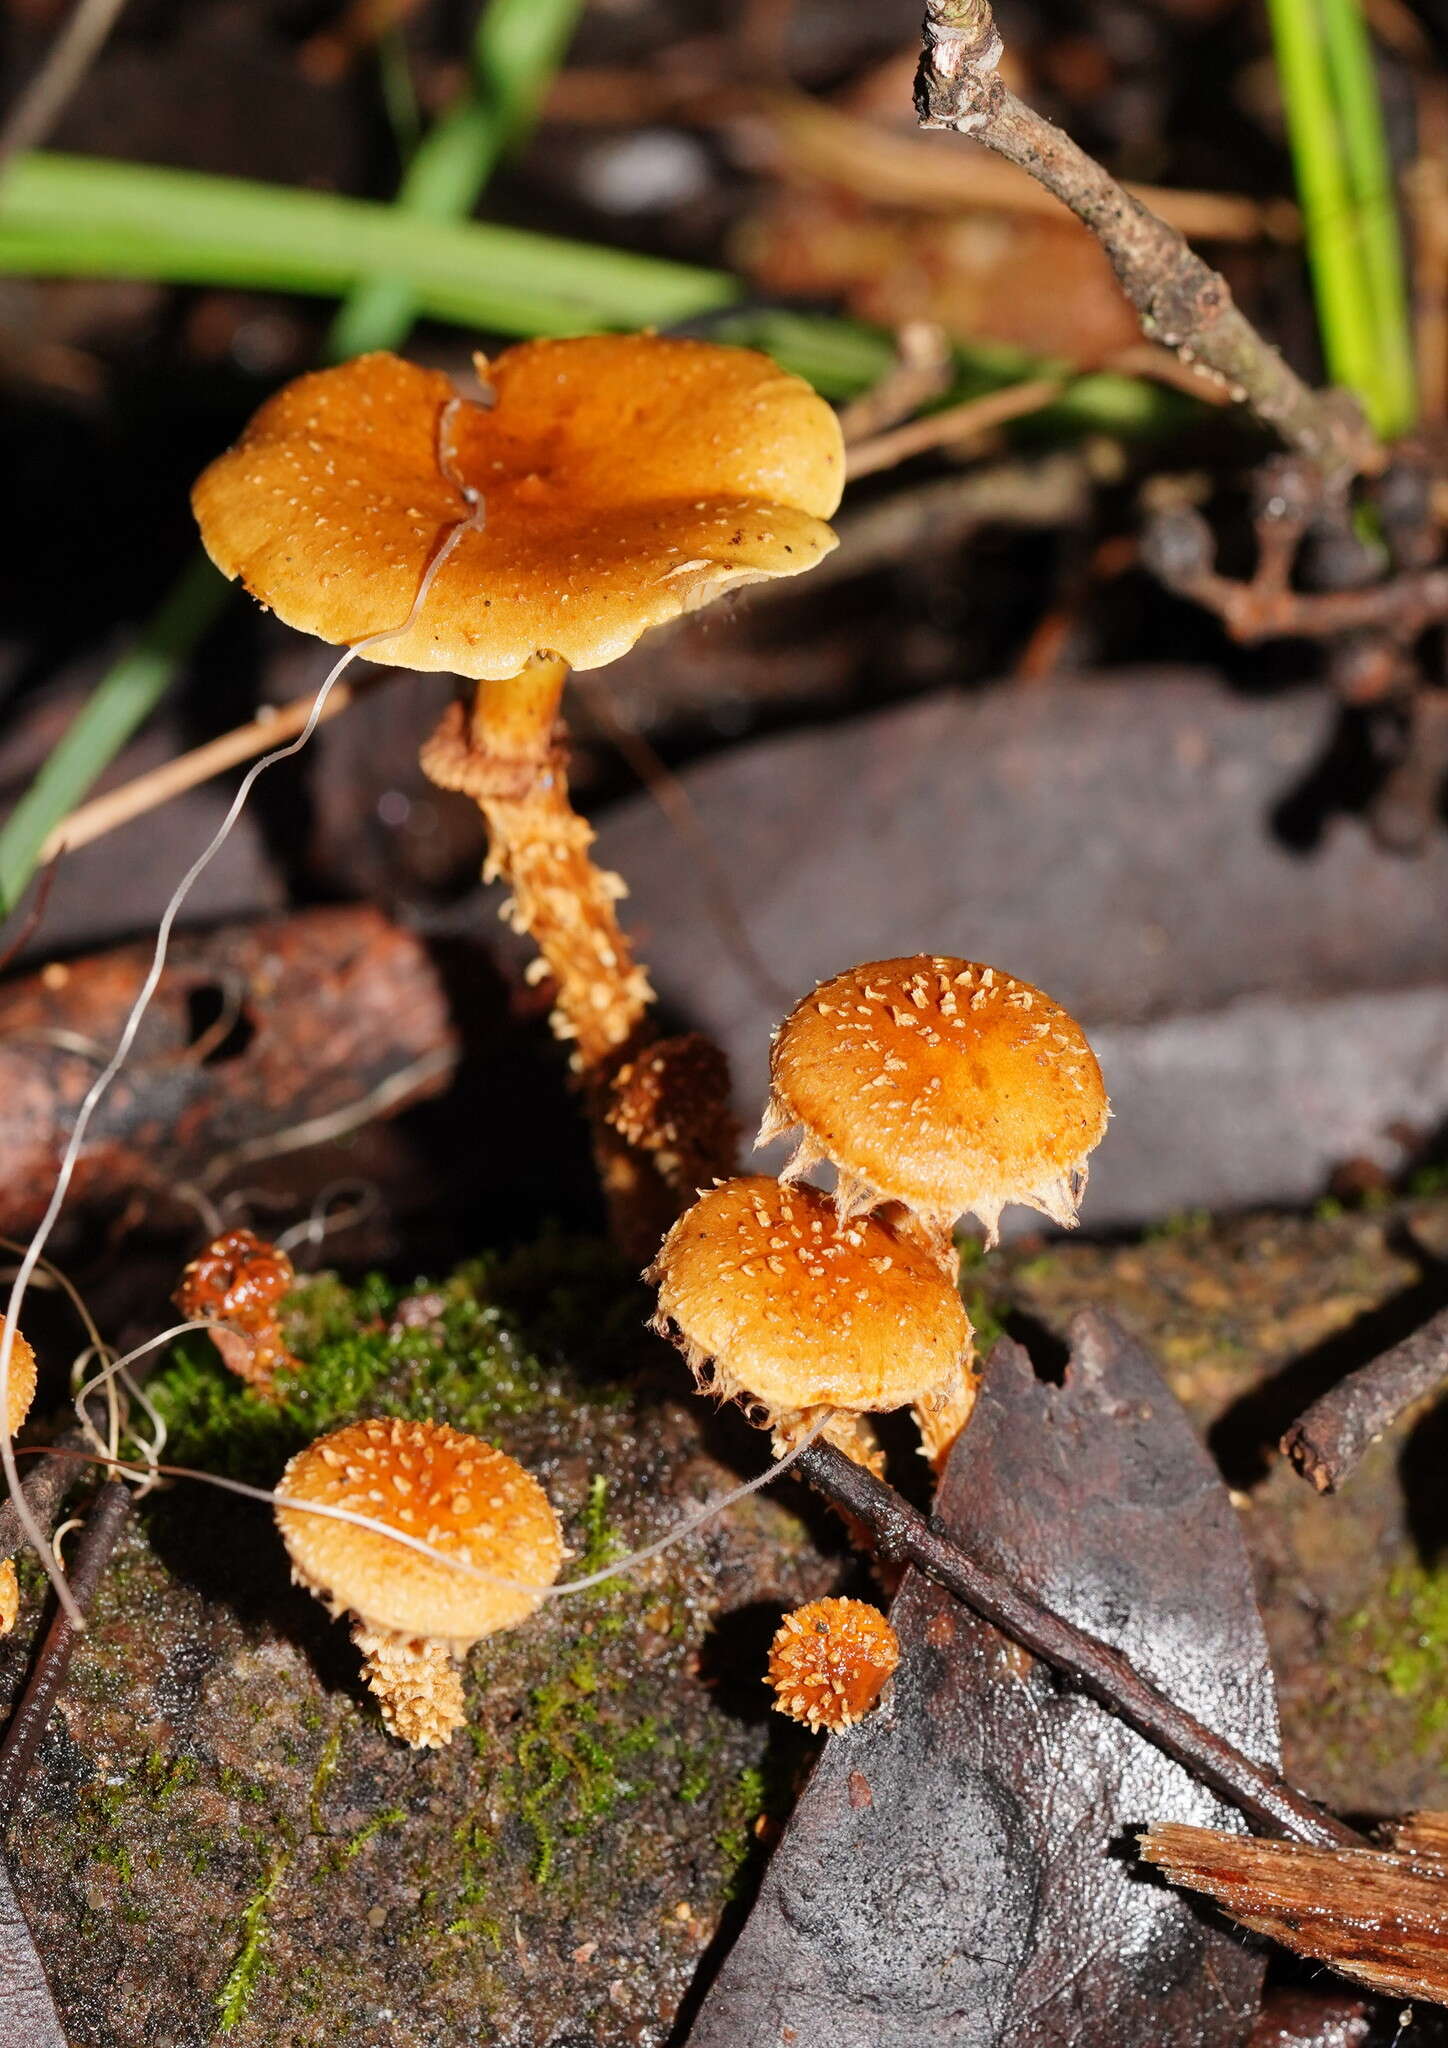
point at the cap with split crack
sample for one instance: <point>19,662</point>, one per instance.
<point>614,482</point>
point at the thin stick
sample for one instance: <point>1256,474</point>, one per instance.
<point>1327,1439</point>
<point>957,423</point>
<point>70,56</point>
<point>31,1718</point>
<point>1181,300</point>
<point>228,750</point>
<point>45,1489</point>
<point>903,1536</point>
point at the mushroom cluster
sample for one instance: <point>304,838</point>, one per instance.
<point>415,1616</point>
<point>934,1086</point>
<point>595,488</point>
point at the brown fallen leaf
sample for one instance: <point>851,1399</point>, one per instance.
<point>1025,280</point>
<point>1379,1916</point>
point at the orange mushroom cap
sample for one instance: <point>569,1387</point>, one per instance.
<point>433,1482</point>
<point>829,1661</point>
<point>942,1084</point>
<point>20,1390</point>
<point>800,1310</point>
<point>621,480</point>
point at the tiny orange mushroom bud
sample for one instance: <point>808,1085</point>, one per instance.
<point>413,1615</point>
<point>829,1662</point>
<point>941,1084</point>
<point>20,1392</point>
<point>237,1283</point>
<point>778,1304</point>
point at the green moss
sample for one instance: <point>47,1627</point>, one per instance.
<point>1404,1641</point>
<point>322,1778</point>
<point>601,1541</point>
<point>746,1801</point>
<point>486,1352</point>
<point>1185,1223</point>
<point>987,1318</point>
<point>573,1761</point>
<point>344,1853</point>
<point>246,1971</point>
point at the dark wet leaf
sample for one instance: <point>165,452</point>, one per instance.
<point>958,1870</point>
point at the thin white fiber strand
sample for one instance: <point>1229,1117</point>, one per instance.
<point>681,1530</point>
<point>98,1088</point>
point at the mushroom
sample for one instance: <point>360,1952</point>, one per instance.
<point>607,484</point>
<point>236,1284</point>
<point>20,1392</point>
<point>413,1617</point>
<point>779,1304</point>
<point>829,1662</point>
<point>940,1084</point>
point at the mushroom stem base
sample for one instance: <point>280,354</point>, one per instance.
<point>506,750</point>
<point>418,1686</point>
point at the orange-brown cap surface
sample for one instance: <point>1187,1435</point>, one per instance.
<point>623,479</point>
<point>800,1310</point>
<point>20,1391</point>
<point>942,1084</point>
<point>829,1662</point>
<point>432,1482</point>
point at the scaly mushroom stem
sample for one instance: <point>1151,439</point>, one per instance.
<point>506,752</point>
<point>652,1144</point>
<point>418,1686</point>
<point>9,1596</point>
<point>848,1431</point>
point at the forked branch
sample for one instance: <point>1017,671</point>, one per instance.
<point>1182,301</point>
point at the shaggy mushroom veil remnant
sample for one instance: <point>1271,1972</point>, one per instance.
<point>779,1305</point>
<point>604,485</point>
<point>413,1617</point>
<point>940,1084</point>
<point>20,1393</point>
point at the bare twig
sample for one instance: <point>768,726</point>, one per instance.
<point>45,1488</point>
<point>1328,1439</point>
<point>71,55</point>
<point>903,1536</point>
<point>922,371</point>
<point>949,428</point>
<point>30,1719</point>
<point>1182,301</point>
<point>890,169</point>
<point>157,786</point>
<point>33,919</point>
<point>1179,550</point>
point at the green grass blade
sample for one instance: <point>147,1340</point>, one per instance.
<point>518,46</point>
<point>1391,398</point>
<point>110,715</point>
<point>81,216</point>
<point>1334,240</point>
